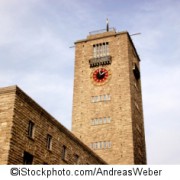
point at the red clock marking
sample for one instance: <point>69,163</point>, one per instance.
<point>100,75</point>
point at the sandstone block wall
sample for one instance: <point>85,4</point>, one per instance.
<point>24,109</point>
<point>121,131</point>
<point>7,99</point>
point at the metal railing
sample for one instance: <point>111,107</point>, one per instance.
<point>102,31</point>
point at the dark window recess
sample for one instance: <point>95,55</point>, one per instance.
<point>28,158</point>
<point>100,61</point>
<point>64,153</point>
<point>49,142</point>
<point>136,72</point>
<point>76,159</point>
<point>31,129</point>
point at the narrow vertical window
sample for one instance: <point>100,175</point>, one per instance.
<point>97,52</point>
<point>96,145</point>
<point>108,119</point>
<point>95,98</point>
<point>31,129</point>
<point>91,146</point>
<point>94,51</point>
<point>101,98</point>
<point>49,142</point>
<point>100,145</point>
<point>104,144</point>
<point>27,158</point>
<point>108,97</point>
<point>97,121</point>
<point>104,120</point>
<point>100,50</point>
<point>104,49</point>
<point>108,144</point>
<point>100,120</point>
<point>107,48</point>
<point>64,153</point>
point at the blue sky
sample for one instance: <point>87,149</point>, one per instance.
<point>35,36</point>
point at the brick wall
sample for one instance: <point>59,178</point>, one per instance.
<point>25,110</point>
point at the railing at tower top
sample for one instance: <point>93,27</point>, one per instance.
<point>102,31</point>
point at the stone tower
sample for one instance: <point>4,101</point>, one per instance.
<point>107,101</point>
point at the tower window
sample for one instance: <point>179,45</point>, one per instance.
<point>108,144</point>
<point>100,55</point>
<point>136,71</point>
<point>101,145</point>
<point>105,144</point>
<point>49,142</point>
<point>31,129</point>
<point>27,158</point>
<point>108,120</point>
<point>100,50</point>
<point>98,121</point>
<point>96,145</point>
<point>104,121</point>
<point>100,98</point>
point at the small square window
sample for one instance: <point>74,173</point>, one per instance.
<point>27,158</point>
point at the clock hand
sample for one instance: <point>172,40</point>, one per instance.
<point>99,71</point>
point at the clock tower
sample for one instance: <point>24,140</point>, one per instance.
<point>107,102</point>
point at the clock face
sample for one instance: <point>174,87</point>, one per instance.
<point>100,76</point>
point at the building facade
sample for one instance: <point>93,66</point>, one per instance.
<point>107,119</point>
<point>107,101</point>
<point>29,135</point>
